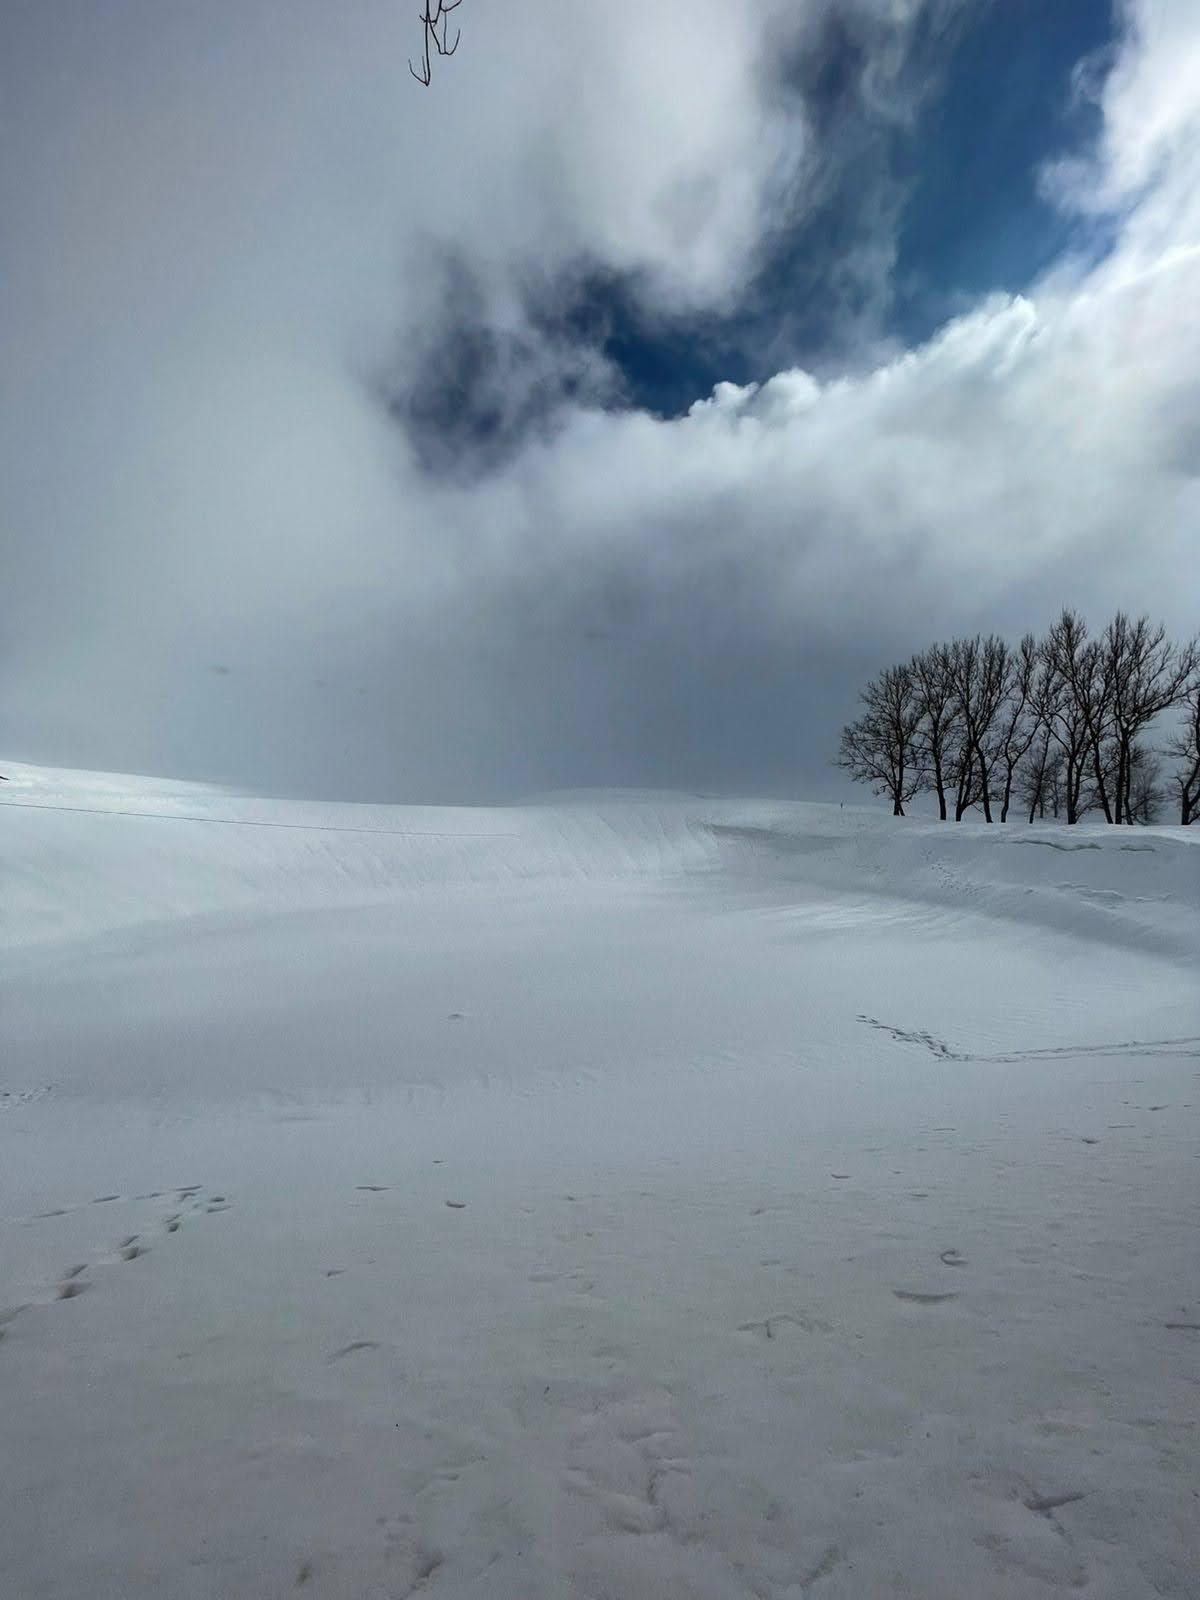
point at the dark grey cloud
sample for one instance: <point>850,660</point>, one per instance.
<point>471,388</point>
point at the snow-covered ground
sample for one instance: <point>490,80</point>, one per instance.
<point>627,1197</point>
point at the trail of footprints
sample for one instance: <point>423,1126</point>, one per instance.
<point>1187,1045</point>
<point>190,1200</point>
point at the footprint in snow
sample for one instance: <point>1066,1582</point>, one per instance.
<point>1045,1504</point>
<point>352,1349</point>
<point>770,1327</point>
<point>131,1247</point>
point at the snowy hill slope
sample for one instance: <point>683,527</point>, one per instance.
<point>615,1196</point>
<point>185,850</point>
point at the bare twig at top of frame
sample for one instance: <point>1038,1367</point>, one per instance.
<point>435,26</point>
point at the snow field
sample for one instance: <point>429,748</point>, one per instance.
<point>622,1196</point>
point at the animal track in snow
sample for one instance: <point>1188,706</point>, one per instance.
<point>1188,1045</point>
<point>131,1247</point>
<point>71,1283</point>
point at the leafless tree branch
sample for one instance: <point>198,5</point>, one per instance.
<point>435,28</point>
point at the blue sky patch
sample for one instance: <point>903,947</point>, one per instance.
<point>920,221</point>
<point>927,198</point>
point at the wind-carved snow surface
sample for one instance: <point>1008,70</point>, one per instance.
<point>624,1198</point>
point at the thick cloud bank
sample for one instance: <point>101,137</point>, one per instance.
<point>246,261</point>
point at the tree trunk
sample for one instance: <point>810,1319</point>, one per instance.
<point>1100,789</point>
<point>962,802</point>
<point>983,780</point>
<point>1008,783</point>
<point>1119,786</point>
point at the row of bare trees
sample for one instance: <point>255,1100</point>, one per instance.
<point>1058,726</point>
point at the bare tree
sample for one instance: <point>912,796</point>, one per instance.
<point>979,671</point>
<point>1058,709</point>
<point>1145,792</point>
<point>1080,666</point>
<point>1079,712</point>
<point>940,725</point>
<point>965,771</point>
<point>1185,747</point>
<point>1018,723</point>
<point>880,748</point>
<point>435,28</point>
<point>1147,675</point>
<point>1039,778</point>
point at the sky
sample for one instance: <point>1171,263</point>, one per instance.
<point>603,414</point>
